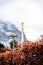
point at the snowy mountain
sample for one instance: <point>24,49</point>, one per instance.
<point>6,29</point>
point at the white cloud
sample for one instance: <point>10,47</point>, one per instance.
<point>31,12</point>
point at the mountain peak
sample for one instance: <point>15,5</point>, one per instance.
<point>6,29</point>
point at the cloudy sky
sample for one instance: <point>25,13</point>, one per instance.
<point>28,11</point>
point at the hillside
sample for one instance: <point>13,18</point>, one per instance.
<point>29,54</point>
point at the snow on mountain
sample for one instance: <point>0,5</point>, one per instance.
<point>6,29</point>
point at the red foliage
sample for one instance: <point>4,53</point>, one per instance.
<point>30,54</point>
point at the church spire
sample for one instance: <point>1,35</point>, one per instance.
<point>22,31</point>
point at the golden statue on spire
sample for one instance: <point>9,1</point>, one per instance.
<point>22,24</point>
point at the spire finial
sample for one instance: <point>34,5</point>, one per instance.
<point>22,24</point>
